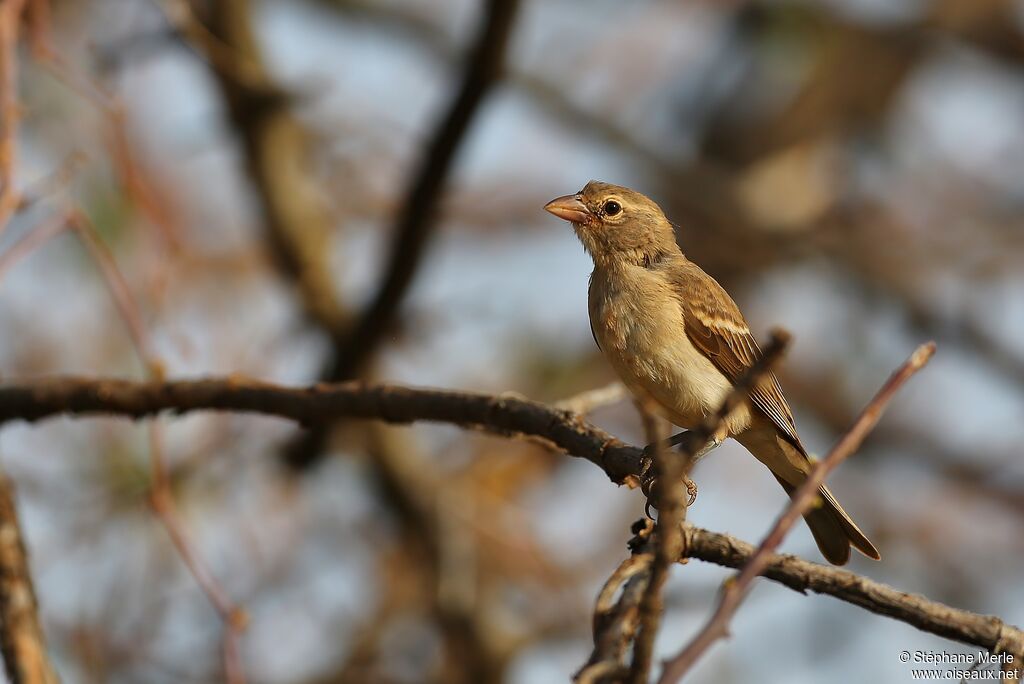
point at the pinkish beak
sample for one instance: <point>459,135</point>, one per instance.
<point>568,208</point>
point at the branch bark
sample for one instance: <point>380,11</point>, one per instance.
<point>21,637</point>
<point>323,403</point>
<point>985,631</point>
<point>717,626</point>
<point>506,415</point>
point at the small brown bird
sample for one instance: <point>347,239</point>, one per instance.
<point>677,340</point>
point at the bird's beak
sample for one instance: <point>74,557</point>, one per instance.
<point>568,208</point>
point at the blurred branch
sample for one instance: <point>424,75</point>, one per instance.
<point>31,240</point>
<point>549,93</point>
<point>590,400</point>
<point>21,637</point>
<point>985,631</point>
<point>274,143</point>
<point>416,497</point>
<point>233,617</point>
<point>735,592</point>
<point>484,66</point>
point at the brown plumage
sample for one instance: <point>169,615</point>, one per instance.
<point>677,339</point>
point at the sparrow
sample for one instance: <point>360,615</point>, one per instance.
<point>678,342</point>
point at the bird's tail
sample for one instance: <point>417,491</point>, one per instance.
<point>833,529</point>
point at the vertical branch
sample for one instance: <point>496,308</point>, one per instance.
<point>297,222</point>
<point>484,67</point>
<point>669,494</point>
<point>10,21</point>
<point>417,217</point>
<point>21,637</point>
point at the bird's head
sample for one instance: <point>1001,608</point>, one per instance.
<point>616,223</point>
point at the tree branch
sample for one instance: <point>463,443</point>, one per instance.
<point>800,575</point>
<point>298,224</point>
<point>616,623</point>
<point>21,637</point>
<point>507,415</point>
<point>354,345</point>
<point>804,497</point>
<point>484,65</point>
<point>673,470</point>
<point>323,403</point>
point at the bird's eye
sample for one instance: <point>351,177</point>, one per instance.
<point>611,208</point>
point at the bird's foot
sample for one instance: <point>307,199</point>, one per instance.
<point>648,477</point>
<point>691,490</point>
<point>652,449</point>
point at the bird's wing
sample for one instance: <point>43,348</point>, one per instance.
<point>715,326</point>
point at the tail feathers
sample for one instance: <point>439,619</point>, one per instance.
<point>833,529</point>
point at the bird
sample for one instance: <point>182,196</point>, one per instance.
<point>678,342</point>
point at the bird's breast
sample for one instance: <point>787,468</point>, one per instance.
<point>638,323</point>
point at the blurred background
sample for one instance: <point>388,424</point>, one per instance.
<point>298,190</point>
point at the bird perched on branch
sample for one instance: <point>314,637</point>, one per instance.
<point>678,341</point>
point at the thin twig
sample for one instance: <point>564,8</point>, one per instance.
<point>31,240</point>
<point>161,497</point>
<point>119,291</point>
<point>718,625</point>
<point>667,542</point>
<point>669,492</point>
<point>616,621</point>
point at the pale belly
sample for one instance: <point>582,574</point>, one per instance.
<point>639,327</point>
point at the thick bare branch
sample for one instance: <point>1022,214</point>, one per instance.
<point>323,403</point>
<point>985,631</point>
<point>502,415</point>
<point>616,621</point>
